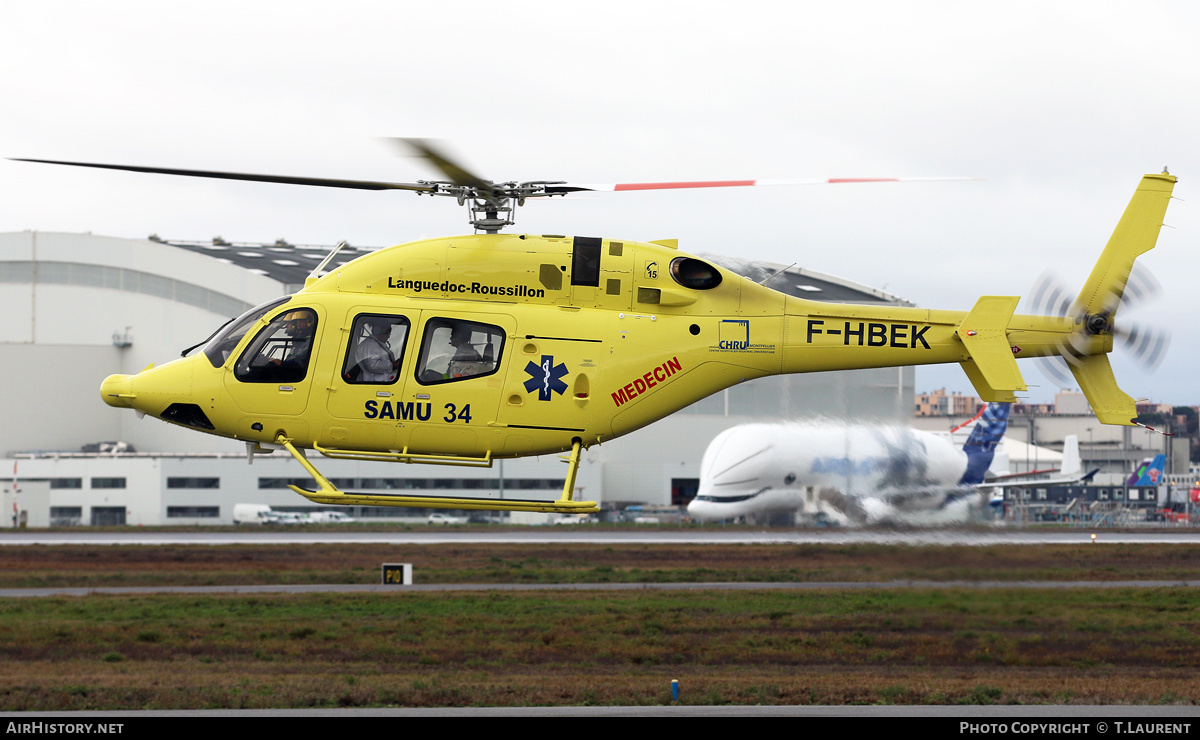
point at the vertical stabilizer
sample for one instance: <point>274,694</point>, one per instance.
<point>1149,473</point>
<point>1136,234</point>
<point>1109,403</point>
<point>1094,309</point>
<point>1072,464</point>
<point>980,447</point>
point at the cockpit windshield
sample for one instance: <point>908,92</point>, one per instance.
<point>218,348</point>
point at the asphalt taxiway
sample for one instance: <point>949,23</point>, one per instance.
<point>603,536</point>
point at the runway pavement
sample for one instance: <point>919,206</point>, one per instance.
<point>601,536</point>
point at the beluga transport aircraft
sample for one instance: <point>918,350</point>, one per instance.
<point>858,474</point>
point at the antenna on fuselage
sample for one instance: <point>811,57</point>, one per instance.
<point>777,272</point>
<point>316,273</point>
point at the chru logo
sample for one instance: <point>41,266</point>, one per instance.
<point>546,378</point>
<point>734,334</point>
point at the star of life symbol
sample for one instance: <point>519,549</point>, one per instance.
<point>546,379</point>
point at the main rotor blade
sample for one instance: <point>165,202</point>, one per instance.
<point>440,159</point>
<point>284,179</point>
<point>611,187</point>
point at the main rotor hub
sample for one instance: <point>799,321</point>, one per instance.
<point>492,205</point>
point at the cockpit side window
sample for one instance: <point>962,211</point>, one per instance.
<point>376,349</point>
<point>280,352</point>
<point>453,350</point>
<point>220,346</point>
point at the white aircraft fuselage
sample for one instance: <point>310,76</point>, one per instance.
<point>852,473</point>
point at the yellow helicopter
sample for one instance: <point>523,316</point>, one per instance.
<point>466,349</point>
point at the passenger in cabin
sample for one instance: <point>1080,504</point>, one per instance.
<point>374,357</point>
<point>460,340</point>
<point>467,361</point>
<point>456,356</point>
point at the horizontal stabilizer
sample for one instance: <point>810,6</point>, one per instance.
<point>991,366</point>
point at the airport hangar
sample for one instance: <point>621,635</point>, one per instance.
<point>79,307</point>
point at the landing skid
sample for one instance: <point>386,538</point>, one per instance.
<point>327,493</point>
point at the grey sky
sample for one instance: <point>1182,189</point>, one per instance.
<point>1060,106</point>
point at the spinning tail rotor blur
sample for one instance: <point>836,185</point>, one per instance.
<point>1146,344</point>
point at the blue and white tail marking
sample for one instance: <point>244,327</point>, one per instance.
<point>990,425</point>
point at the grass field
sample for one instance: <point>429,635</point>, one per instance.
<point>139,565</point>
<point>914,646</point>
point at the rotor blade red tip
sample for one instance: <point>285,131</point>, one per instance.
<point>673,185</point>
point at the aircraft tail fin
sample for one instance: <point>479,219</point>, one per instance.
<point>980,447</point>
<point>1072,463</point>
<point>1136,234</point>
<point>1096,305</point>
<point>1109,403</point>
<point>1149,473</point>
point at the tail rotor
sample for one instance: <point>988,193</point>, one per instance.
<point>1146,344</point>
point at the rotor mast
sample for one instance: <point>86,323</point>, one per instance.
<point>492,206</point>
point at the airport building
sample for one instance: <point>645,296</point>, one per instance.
<point>79,307</point>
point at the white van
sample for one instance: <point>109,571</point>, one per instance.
<point>254,514</point>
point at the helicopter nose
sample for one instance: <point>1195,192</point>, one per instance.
<point>117,390</point>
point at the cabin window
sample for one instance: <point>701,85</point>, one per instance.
<point>585,261</point>
<point>280,352</point>
<point>376,349</point>
<point>692,273</point>
<point>452,349</point>
<point>226,339</point>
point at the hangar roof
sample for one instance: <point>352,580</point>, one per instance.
<point>290,264</point>
<point>287,263</point>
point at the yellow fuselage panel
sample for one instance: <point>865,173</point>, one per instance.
<point>594,346</point>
